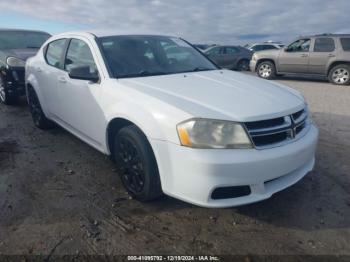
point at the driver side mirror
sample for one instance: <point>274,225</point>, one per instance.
<point>83,73</point>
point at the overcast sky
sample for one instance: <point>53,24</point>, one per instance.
<point>199,21</point>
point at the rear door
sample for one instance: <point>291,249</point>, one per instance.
<point>323,52</point>
<point>216,54</point>
<point>295,58</point>
<point>48,73</point>
<point>231,56</point>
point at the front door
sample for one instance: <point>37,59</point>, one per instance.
<point>79,99</point>
<point>295,57</point>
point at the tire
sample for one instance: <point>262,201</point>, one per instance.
<point>243,65</point>
<point>136,164</point>
<point>38,116</point>
<point>266,70</point>
<point>340,75</point>
<point>5,97</point>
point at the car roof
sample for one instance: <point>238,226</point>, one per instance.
<point>106,33</point>
<point>267,43</point>
<point>325,35</point>
<point>22,30</point>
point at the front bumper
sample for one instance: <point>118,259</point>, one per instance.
<point>193,174</point>
<point>14,80</point>
<point>252,65</point>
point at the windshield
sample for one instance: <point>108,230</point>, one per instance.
<point>22,39</point>
<point>136,56</point>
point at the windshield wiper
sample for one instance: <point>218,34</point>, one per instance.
<point>198,69</point>
<point>148,73</point>
<point>143,73</point>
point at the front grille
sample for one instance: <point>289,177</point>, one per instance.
<point>265,123</point>
<point>277,131</point>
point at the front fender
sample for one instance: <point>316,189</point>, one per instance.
<point>152,123</point>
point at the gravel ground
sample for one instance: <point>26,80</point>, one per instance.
<point>58,196</point>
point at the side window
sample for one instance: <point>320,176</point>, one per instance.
<point>301,45</point>
<point>345,42</point>
<point>324,45</point>
<point>214,51</point>
<point>257,47</point>
<point>54,52</point>
<point>230,50</point>
<point>269,47</point>
<point>79,55</point>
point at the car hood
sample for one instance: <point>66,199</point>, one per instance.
<point>220,94</point>
<point>23,54</point>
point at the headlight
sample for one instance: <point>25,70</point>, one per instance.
<point>15,62</point>
<point>208,133</point>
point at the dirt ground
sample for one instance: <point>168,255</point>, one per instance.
<point>58,196</point>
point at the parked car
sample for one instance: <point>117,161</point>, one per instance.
<point>324,55</point>
<point>265,46</point>
<point>172,123</point>
<point>230,57</point>
<point>15,47</point>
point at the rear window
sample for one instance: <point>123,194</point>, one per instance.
<point>345,42</point>
<point>324,45</point>
<point>22,39</point>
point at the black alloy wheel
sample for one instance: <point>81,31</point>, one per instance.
<point>133,173</point>
<point>5,97</point>
<point>136,164</point>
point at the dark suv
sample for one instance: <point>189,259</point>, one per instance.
<point>15,47</point>
<point>327,55</point>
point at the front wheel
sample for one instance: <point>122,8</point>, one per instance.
<point>137,164</point>
<point>5,97</point>
<point>266,70</point>
<point>340,75</point>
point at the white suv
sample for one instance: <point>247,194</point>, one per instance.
<point>173,122</point>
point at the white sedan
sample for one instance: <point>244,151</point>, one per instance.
<point>173,122</point>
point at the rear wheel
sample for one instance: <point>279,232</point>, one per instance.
<point>136,164</point>
<point>340,75</point>
<point>243,65</point>
<point>266,70</point>
<point>38,116</point>
<point>5,97</point>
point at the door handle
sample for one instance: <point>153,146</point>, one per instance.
<point>62,79</point>
<point>304,55</point>
<point>331,55</point>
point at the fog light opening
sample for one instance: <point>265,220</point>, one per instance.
<point>230,192</point>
